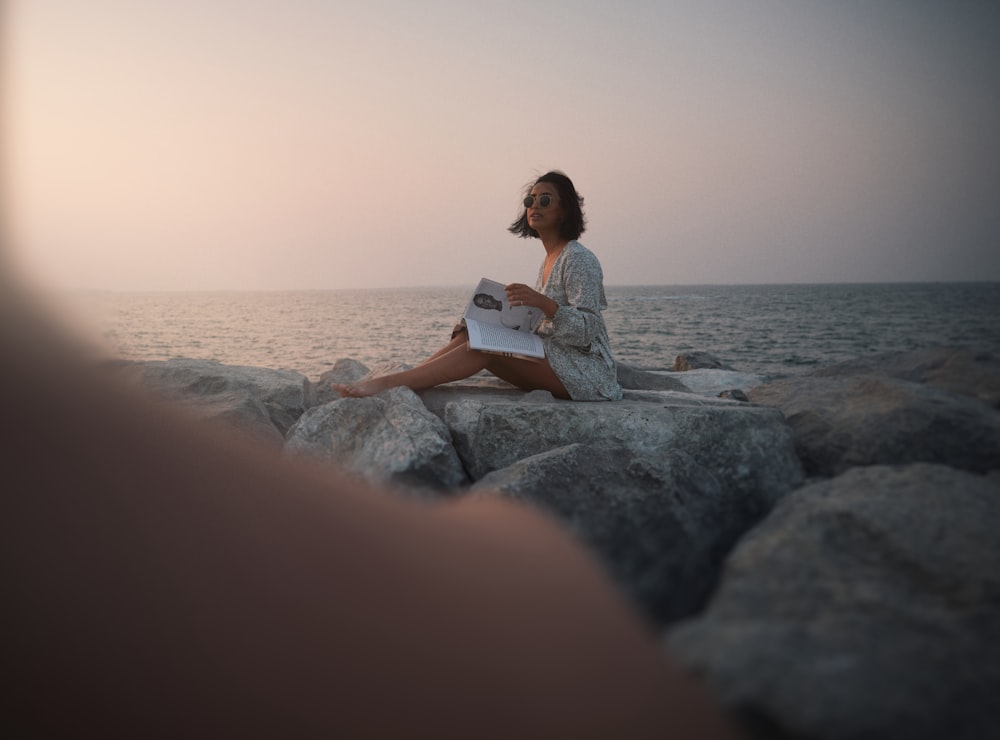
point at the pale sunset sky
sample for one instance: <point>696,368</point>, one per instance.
<point>310,144</point>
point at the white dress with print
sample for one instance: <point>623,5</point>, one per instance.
<point>576,340</point>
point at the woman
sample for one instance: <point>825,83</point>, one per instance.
<point>570,293</point>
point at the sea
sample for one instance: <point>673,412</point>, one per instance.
<point>770,330</point>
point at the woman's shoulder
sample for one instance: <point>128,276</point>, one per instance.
<point>579,254</point>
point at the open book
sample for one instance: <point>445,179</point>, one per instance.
<point>496,326</point>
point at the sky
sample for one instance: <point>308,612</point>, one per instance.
<point>315,144</point>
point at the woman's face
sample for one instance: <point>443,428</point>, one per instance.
<point>544,217</point>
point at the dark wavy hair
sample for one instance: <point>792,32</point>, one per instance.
<point>574,222</point>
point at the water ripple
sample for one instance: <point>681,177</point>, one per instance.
<point>771,330</point>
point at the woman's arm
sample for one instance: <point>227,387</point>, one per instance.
<point>579,322</point>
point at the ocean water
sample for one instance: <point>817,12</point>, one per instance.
<point>771,330</point>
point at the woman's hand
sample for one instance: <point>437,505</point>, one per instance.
<point>520,294</point>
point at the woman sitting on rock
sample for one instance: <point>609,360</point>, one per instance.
<point>570,293</point>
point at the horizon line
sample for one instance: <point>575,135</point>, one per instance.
<point>456,286</point>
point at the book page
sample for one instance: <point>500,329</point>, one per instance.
<point>495,338</point>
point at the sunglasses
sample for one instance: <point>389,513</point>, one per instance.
<point>544,201</point>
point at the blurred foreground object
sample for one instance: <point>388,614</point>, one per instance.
<point>162,577</point>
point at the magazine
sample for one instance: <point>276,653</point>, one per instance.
<point>496,326</point>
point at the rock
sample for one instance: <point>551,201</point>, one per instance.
<point>391,437</point>
<point>974,374</point>
<point>262,402</point>
<point>736,394</point>
<point>631,378</point>
<point>866,606</point>
<point>660,520</point>
<point>709,382</point>
<point>238,410</point>
<point>842,422</point>
<point>658,484</point>
<point>698,361</point>
<point>747,446</point>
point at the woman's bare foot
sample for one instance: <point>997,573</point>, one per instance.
<point>360,390</point>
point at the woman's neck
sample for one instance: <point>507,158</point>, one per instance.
<point>553,243</point>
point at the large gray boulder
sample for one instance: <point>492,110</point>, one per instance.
<point>748,446</point>
<point>391,437</point>
<point>259,401</point>
<point>706,381</point>
<point>974,374</point>
<point>845,421</point>
<point>866,606</point>
<point>660,520</point>
<point>636,379</point>
<point>659,484</point>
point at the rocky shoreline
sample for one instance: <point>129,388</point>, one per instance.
<point>824,554</point>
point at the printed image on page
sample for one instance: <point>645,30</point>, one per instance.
<point>489,304</point>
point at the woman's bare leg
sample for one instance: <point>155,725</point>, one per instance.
<point>457,363</point>
<point>454,364</point>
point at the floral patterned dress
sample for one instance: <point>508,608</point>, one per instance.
<point>576,340</point>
